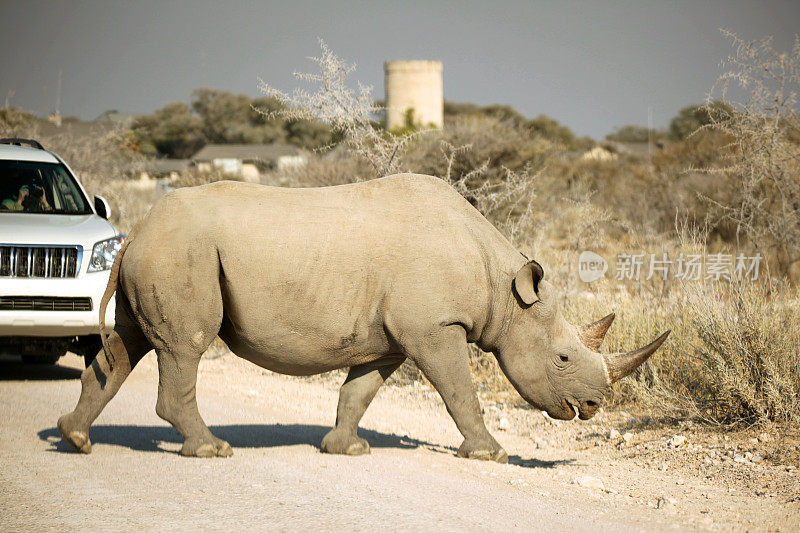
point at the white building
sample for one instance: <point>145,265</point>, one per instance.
<point>247,160</point>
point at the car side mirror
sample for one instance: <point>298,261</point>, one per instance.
<point>101,206</point>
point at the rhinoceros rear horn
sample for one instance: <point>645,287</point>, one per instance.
<point>592,335</point>
<point>621,364</point>
<point>526,282</point>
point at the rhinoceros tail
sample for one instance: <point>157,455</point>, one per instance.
<point>111,288</point>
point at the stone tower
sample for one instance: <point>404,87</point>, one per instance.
<point>417,86</point>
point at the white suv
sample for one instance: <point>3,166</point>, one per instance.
<point>56,249</point>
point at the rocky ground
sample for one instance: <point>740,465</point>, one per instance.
<point>615,471</point>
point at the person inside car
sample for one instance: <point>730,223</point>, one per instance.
<point>26,201</point>
<point>12,204</point>
<point>37,200</point>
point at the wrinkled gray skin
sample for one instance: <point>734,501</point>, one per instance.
<point>303,281</point>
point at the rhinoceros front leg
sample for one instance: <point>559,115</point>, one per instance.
<point>443,357</point>
<point>358,390</point>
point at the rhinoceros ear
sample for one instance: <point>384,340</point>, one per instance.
<point>526,282</point>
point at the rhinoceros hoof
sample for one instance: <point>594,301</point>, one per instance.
<point>482,452</point>
<point>204,448</point>
<point>344,443</point>
<point>77,439</point>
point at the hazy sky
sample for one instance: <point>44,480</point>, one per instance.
<point>590,65</point>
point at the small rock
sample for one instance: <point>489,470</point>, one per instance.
<point>627,437</point>
<point>757,458</point>
<point>665,502</point>
<point>677,441</point>
<point>589,482</point>
<point>748,456</point>
<point>614,435</point>
<point>738,458</point>
<point>680,481</point>
<point>753,441</point>
<point>764,437</point>
<point>504,424</point>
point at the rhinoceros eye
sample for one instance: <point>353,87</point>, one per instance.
<point>563,358</point>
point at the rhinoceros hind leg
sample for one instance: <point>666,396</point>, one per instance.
<point>100,382</point>
<point>444,359</point>
<point>358,390</point>
<point>177,403</point>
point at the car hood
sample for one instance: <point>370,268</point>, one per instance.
<point>36,228</point>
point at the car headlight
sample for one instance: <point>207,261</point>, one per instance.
<point>104,252</point>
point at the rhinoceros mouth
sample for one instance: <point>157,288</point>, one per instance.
<point>573,406</point>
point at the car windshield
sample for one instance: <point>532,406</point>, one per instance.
<point>35,187</point>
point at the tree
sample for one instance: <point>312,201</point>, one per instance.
<point>635,134</point>
<point>548,128</point>
<point>172,131</point>
<point>541,126</point>
<point>308,133</point>
<point>693,117</point>
<point>501,112</point>
<point>225,116</point>
<point>179,130</point>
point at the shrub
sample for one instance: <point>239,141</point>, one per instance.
<point>763,161</point>
<point>349,113</point>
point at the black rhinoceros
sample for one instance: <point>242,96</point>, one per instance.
<point>303,281</point>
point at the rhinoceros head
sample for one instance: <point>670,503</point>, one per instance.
<point>555,365</point>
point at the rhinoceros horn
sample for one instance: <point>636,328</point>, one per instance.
<point>592,335</point>
<point>620,365</point>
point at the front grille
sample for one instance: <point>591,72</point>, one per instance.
<point>45,303</point>
<point>39,261</point>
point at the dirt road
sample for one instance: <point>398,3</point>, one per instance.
<point>561,476</point>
